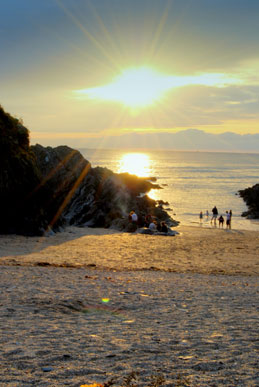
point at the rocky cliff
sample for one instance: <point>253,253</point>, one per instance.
<point>251,198</point>
<point>47,188</point>
<point>20,202</point>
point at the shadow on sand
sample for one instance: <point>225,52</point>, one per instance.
<point>14,245</point>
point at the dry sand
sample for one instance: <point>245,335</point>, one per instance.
<point>196,250</point>
<point>86,305</point>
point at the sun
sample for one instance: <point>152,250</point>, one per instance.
<point>134,87</point>
<point>141,87</point>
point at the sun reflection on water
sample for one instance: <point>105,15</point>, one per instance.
<point>138,164</point>
<point>154,194</point>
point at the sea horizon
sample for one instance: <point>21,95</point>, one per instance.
<point>121,149</point>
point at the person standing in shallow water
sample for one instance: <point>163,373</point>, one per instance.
<point>201,216</point>
<point>228,220</point>
<point>214,214</point>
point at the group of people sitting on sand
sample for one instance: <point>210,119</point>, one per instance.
<point>220,218</point>
<point>149,222</point>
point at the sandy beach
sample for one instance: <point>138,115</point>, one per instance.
<point>194,250</point>
<point>86,305</point>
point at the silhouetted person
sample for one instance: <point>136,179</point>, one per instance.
<point>159,226</point>
<point>228,221</point>
<point>152,226</point>
<point>230,213</point>
<point>214,214</point>
<point>148,220</point>
<point>164,227</point>
<point>221,221</point>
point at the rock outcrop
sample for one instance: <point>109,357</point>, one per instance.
<point>46,188</point>
<point>62,170</point>
<point>95,197</point>
<point>251,198</point>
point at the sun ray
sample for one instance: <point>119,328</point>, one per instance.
<point>159,30</point>
<point>89,35</point>
<point>105,31</point>
<point>70,195</point>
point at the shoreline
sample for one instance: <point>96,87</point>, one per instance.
<point>195,250</point>
<point>240,223</point>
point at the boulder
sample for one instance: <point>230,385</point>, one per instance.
<point>251,197</point>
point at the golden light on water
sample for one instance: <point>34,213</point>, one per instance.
<point>138,164</point>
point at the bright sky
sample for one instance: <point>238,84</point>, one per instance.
<point>88,68</point>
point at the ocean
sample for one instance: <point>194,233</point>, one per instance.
<point>191,181</point>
